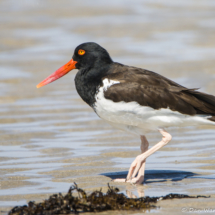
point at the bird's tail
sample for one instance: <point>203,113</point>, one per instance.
<point>203,103</point>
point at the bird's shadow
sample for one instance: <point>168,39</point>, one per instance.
<point>152,176</point>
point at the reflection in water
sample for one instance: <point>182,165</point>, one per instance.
<point>151,176</point>
<point>140,191</point>
<point>50,138</point>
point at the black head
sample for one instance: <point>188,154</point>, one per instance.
<point>89,55</point>
<point>90,58</point>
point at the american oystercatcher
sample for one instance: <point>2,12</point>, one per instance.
<point>134,100</point>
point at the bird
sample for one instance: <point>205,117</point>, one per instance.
<point>134,100</point>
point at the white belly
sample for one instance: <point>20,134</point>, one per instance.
<point>139,119</point>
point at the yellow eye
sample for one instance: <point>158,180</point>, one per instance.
<point>81,52</point>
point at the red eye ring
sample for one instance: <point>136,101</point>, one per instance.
<point>81,52</point>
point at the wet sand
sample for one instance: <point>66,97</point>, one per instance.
<point>50,138</point>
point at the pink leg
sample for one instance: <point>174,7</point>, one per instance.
<point>140,178</point>
<point>138,165</point>
<point>144,147</point>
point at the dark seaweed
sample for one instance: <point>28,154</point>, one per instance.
<point>94,202</point>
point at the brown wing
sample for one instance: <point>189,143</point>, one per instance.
<point>153,90</point>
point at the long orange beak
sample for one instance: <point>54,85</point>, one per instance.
<point>59,73</point>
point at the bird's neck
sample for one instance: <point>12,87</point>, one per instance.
<point>88,80</point>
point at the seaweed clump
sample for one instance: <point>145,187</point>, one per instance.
<point>94,202</point>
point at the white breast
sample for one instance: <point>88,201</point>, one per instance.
<point>138,119</point>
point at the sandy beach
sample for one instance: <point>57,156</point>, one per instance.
<point>49,138</point>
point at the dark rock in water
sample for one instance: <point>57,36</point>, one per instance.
<point>95,202</point>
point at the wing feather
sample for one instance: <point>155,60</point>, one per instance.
<point>153,90</point>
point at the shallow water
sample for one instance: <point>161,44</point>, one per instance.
<point>51,138</point>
